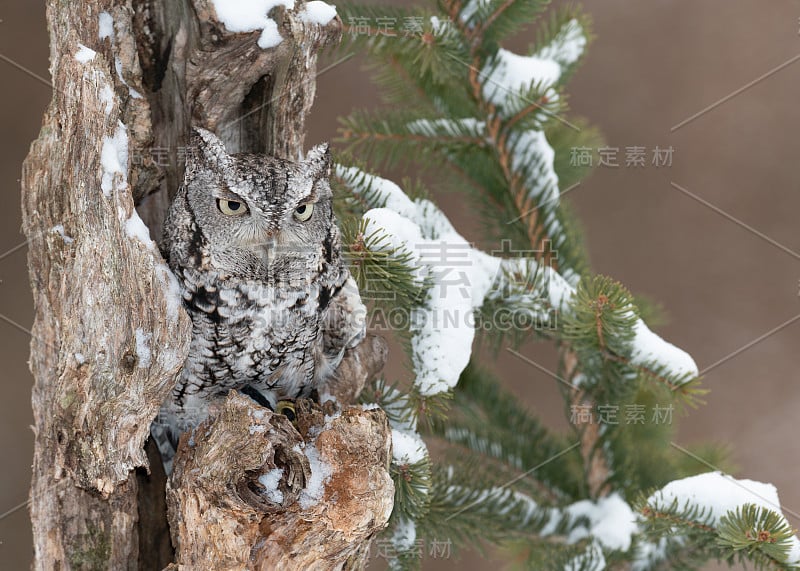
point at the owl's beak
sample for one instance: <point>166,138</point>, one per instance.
<point>268,249</point>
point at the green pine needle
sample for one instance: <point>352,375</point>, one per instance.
<point>752,528</point>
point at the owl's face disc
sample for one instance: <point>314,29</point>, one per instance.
<point>259,218</point>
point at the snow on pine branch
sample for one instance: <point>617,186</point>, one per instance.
<point>508,77</point>
<point>463,278</point>
<point>453,128</point>
<point>719,494</point>
<point>508,80</point>
<point>439,354</point>
<point>611,522</point>
<point>407,447</point>
<point>590,560</point>
<point>440,351</point>
<point>567,46</point>
<point>443,333</point>
<point>649,348</point>
<point>532,156</point>
<point>470,8</point>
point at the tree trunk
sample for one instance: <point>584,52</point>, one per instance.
<point>110,335</point>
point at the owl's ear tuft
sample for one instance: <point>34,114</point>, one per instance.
<point>318,161</point>
<point>208,147</point>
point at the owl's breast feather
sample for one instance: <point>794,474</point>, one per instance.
<point>253,334</point>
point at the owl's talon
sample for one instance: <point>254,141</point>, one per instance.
<point>286,408</point>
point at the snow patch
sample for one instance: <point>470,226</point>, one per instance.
<point>100,81</point>
<point>558,289</point>
<point>533,156</point>
<point>568,45</point>
<point>251,15</point>
<point>143,348</point>
<point>318,12</point>
<point>449,127</point>
<point>612,522</point>
<point>387,193</point>
<point>80,358</point>
<point>105,26</point>
<point>509,73</point>
<point>648,553</point>
<point>114,160</point>
<point>407,448</point>
<point>320,474</point>
<point>444,329</point>
<point>270,36</point>
<point>172,290</point>
<point>136,229</point>
<point>270,481</point>
<point>394,232</point>
<point>649,348</point>
<point>84,54</point>
<point>404,537</point>
<point>107,97</point>
<point>118,68</point>
<point>59,229</point>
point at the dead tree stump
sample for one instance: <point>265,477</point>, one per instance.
<point>110,335</point>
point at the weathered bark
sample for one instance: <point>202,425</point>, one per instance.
<point>219,511</point>
<point>110,335</point>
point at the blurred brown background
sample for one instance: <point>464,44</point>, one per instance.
<point>652,65</point>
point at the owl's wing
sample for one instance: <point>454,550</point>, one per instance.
<point>356,357</point>
<point>165,433</point>
<point>345,321</point>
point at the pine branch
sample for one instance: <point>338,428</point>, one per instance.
<point>382,271</point>
<point>471,516</point>
<point>596,463</point>
<point>386,138</point>
<point>749,534</point>
<point>490,422</point>
<point>563,26</point>
<point>568,143</point>
<point>499,19</point>
<point>502,133</point>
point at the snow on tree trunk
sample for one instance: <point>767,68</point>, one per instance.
<point>110,335</point>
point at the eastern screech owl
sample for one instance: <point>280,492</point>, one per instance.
<point>253,241</point>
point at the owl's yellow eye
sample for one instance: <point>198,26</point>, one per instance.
<point>231,207</point>
<point>286,408</point>
<point>304,211</point>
